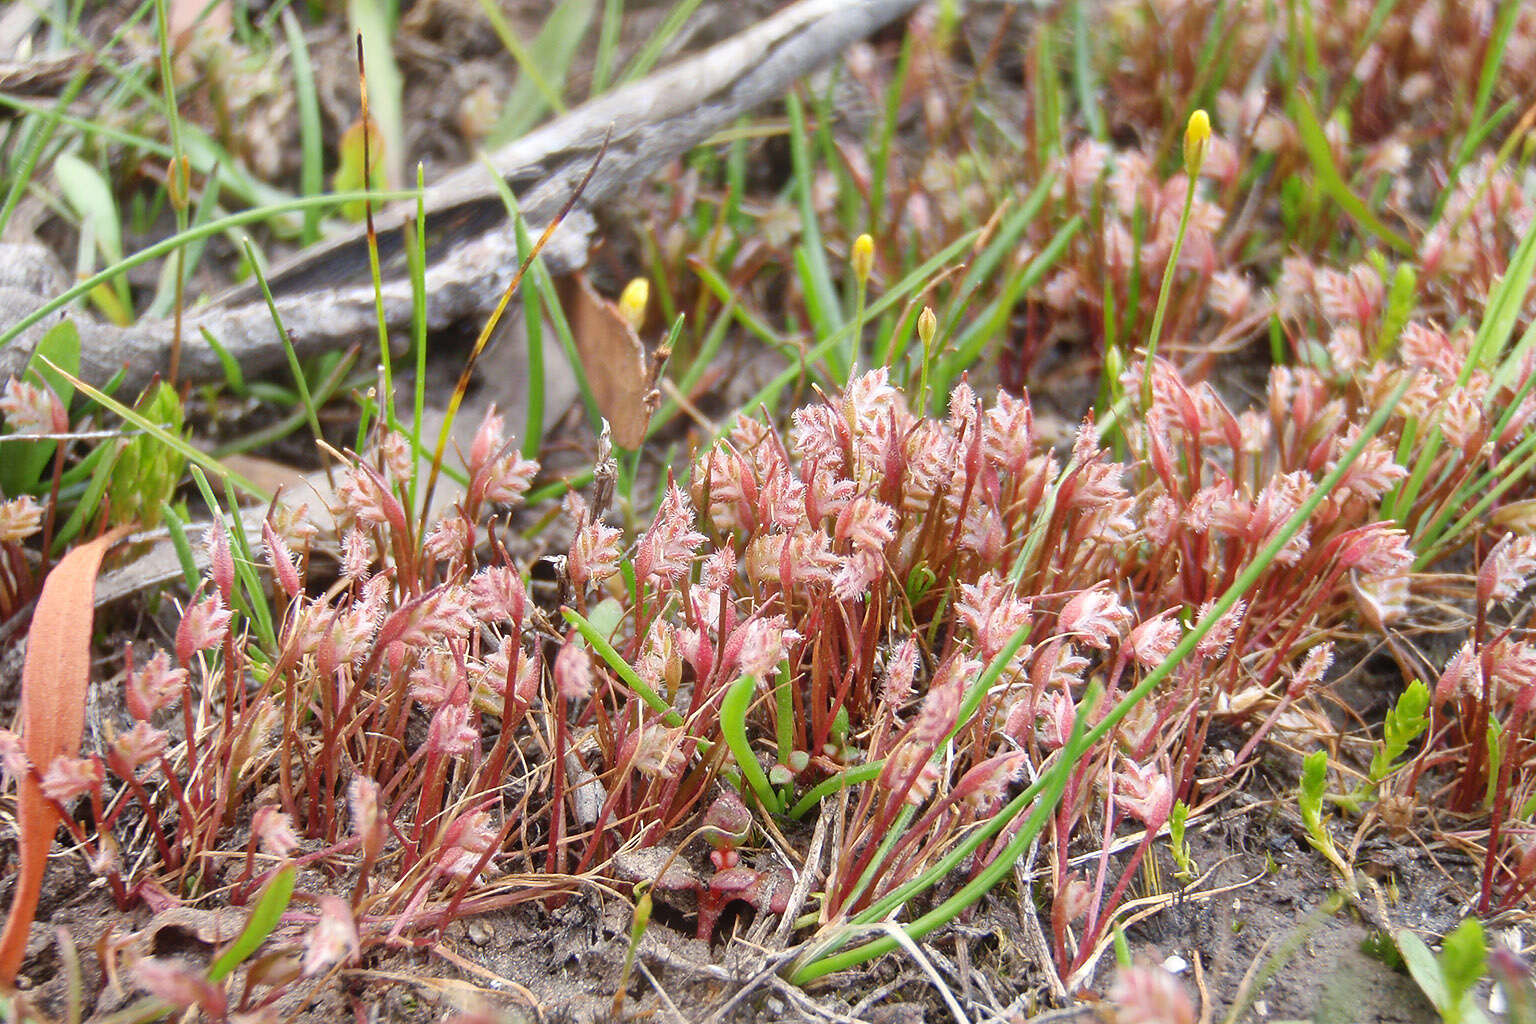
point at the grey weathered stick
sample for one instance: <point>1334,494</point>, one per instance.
<point>324,295</point>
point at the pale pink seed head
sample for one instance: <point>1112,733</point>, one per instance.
<point>153,686</point>
<point>274,831</point>
<point>574,678</point>
<point>68,777</point>
<point>1150,995</point>
<point>333,940</point>
<point>139,745</point>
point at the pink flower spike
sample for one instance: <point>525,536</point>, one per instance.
<point>1094,616</point>
<point>221,564</point>
<point>365,803</point>
<point>1215,642</point>
<point>333,940</point>
<point>469,836</point>
<point>1151,642</point>
<point>574,678</point>
<point>1506,569</point>
<point>153,686</point>
<point>274,831</point>
<point>450,731</point>
<point>203,626</point>
<point>284,566</point>
<point>900,670</point>
<point>139,745</point>
<point>666,550</point>
<point>1150,995</point>
<point>1144,793</point>
<point>68,777</point>
<point>594,554</point>
<point>499,595</point>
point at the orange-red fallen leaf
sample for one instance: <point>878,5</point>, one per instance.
<point>53,685</point>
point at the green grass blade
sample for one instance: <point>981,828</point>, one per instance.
<point>1320,153</point>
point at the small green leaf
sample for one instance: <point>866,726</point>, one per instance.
<point>1424,968</point>
<point>268,912</point>
<point>1462,956</point>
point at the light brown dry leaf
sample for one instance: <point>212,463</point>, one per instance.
<point>613,358</point>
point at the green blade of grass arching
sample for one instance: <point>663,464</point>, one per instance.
<point>193,455</point>
<point>168,245</point>
<point>991,324</point>
<point>733,726</point>
<point>311,411</point>
<point>607,43</point>
<point>914,282</point>
<point>659,40</point>
<point>264,919</point>
<point>311,137</point>
<point>1047,788</point>
<point>621,668</point>
<point>821,298</point>
<point>542,69</point>
<point>1315,142</point>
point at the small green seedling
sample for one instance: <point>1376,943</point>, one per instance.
<point>1407,719</point>
<point>1314,780</point>
<point>1449,979</point>
<point>1184,865</point>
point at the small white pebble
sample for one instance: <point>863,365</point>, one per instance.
<point>1496,1001</point>
<point>1260,1008</point>
<point>1175,964</point>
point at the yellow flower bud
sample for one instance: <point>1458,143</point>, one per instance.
<point>1196,136</point>
<point>633,301</point>
<point>863,257</point>
<point>927,326</point>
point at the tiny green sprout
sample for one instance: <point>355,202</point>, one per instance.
<point>1184,865</point>
<point>1314,780</point>
<point>1449,980</point>
<point>1402,297</point>
<point>637,928</point>
<point>1407,719</point>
